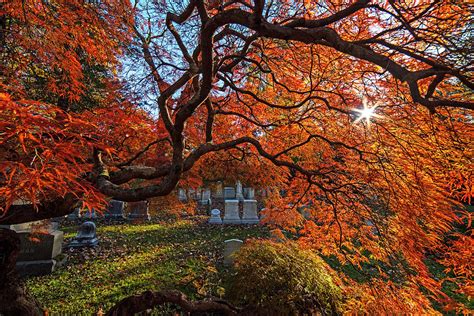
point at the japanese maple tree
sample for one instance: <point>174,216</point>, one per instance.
<point>360,111</point>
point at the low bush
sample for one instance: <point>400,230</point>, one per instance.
<point>283,279</point>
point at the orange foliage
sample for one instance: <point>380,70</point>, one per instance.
<point>384,191</point>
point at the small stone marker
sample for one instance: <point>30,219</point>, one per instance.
<point>231,246</point>
<point>229,193</point>
<point>90,214</point>
<point>215,217</point>
<point>139,210</point>
<point>115,210</point>
<point>231,214</point>
<point>250,215</point>
<point>86,237</point>
<point>239,194</point>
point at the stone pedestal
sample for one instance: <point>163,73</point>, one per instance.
<point>35,268</point>
<point>139,210</point>
<point>231,213</point>
<point>250,215</point>
<point>115,210</point>
<point>231,246</point>
<point>229,193</point>
<point>215,217</point>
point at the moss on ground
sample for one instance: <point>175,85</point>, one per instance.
<point>132,258</point>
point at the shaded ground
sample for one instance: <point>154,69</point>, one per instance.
<point>184,255</point>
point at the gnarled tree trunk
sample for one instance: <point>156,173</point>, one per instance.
<point>14,299</point>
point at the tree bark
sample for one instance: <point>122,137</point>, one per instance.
<point>148,300</point>
<point>14,299</point>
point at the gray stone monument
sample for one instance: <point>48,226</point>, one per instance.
<point>215,217</point>
<point>139,210</point>
<point>231,246</point>
<point>219,193</point>
<point>239,194</point>
<point>86,237</point>
<point>229,193</point>
<point>231,213</point>
<point>206,197</point>
<point>115,210</point>
<point>250,215</point>
<point>249,193</point>
<point>182,195</point>
<point>37,256</point>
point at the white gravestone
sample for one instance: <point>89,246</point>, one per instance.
<point>231,246</point>
<point>231,213</point>
<point>239,195</point>
<point>215,217</point>
<point>250,215</point>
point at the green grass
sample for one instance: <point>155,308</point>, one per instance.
<point>184,255</point>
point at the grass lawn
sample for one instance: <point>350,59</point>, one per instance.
<point>131,258</point>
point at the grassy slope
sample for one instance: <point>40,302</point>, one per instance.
<point>184,255</point>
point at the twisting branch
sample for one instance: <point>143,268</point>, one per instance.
<point>149,300</point>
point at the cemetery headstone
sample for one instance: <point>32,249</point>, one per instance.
<point>38,255</point>
<point>74,215</point>
<point>229,193</point>
<point>215,217</point>
<point>90,214</point>
<point>219,193</point>
<point>249,193</point>
<point>86,237</point>
<point>206,197</point>
<point>231,212</point>
<point>239,194</point>
<point>191,194</point>
<point>139,210</point>
<point>182,195</point>
<point>231,246</point>
<point>115,210</point>
<point>250,215</point>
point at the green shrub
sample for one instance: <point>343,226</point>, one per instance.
<point>283,279</point>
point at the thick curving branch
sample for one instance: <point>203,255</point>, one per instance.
<point>149,300</point>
